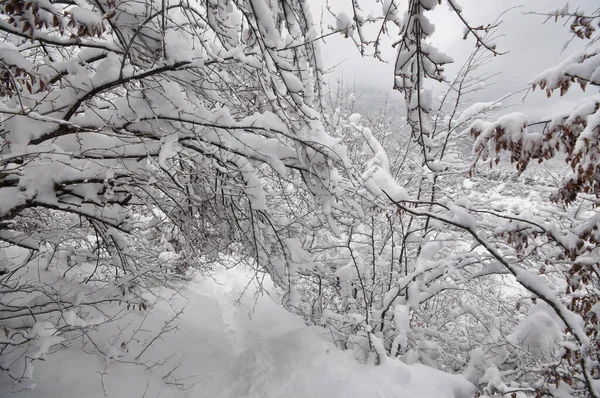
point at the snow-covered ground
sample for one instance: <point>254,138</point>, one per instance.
<point>225,347</point>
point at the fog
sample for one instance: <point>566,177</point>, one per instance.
<point>530,44</point>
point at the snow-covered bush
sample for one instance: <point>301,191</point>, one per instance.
<point>547,252</point>
<point>572,236</point>
<point>144,137</point>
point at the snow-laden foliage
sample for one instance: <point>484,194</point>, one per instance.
<point>539,334</point>
<point>143,137</point>
<point>403,286</point>
<point>571,240</point>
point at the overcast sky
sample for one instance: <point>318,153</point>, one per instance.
<point>532,47</point>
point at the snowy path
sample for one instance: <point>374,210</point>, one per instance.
<point>271,354</point>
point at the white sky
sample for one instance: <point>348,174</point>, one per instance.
<point>532,47</point>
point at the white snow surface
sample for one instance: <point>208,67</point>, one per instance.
<point>252,349</point>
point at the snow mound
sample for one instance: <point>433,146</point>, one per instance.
<point>251,349</point>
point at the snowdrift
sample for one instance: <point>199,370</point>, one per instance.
<point>228,344</point>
